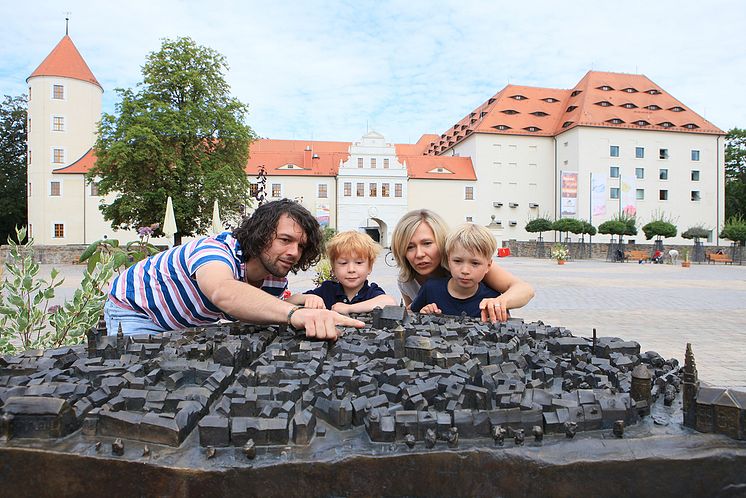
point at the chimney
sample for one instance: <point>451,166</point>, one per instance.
<point>307,157</point>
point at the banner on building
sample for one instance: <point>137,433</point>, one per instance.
<point>569,193</point>
<point>322,214</point>
<point>628,195</point>
<point>598,195</point>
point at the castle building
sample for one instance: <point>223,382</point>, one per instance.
<point>614,143</point>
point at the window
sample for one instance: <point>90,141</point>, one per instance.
<point>397,190</point>
<point>348,189</point>
<point>695,175</point>
<point>614,171</point>
<point>469,219</point>
<point>360,187</point>
<point>640,173</point>
<point>55,189</point>
<point>695,155</point>
<point>253,190</point>
<point>614,193</point>
<point>385,190</point>
<point>276,190</point>
<point>373,190</point>
<point>373,162</point>
<point>696,195</point>
<point>94,189</point>
<point>663,153</point>
<point>59,229</point>
<point>639,152</point>
<point>58,156</point>
<point>469,193</point>
<point>58,92</point>
<point>359,162</point>
<point>640,194</point>
<point>385,164</point>
<point>323,192</point>
<point>663,195</point>
<point>663,174</point>
<point>614,150</point>
<point>58,123</point>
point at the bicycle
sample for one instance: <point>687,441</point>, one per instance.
<point>390,259</point>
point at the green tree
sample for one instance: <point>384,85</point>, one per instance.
<point>179,133</point>
<point>734,229</point>
<point>12,165</point>
<point>539,225</point>
<point>735,173</point>
<point>660,226</point>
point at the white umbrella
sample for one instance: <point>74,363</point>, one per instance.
<point>217,225</point>
<point>169,223</point>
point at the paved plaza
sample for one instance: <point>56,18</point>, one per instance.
<point>661,306</point>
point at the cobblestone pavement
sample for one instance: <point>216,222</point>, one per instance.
<point>660,306</point>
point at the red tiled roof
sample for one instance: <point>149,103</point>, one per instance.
<point>81,166</point>
<point>65,60</point>
<point>602,99</point>
<point>321,160</point>
<point>419,167</point>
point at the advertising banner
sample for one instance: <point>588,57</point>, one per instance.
<point>322,214</point>
<point>628,195</point>
<point>569,194</point>
<point>598,195</point>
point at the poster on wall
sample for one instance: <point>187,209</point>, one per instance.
<point>322,215</point>
<point>569,194</point>
<point>598,195</point>
<point>628,195</point>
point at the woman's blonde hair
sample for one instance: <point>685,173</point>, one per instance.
<point>352,243</point>
<point>404,232</point>
<point>476,239</point>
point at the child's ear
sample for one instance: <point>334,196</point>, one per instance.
<point>489,264</point>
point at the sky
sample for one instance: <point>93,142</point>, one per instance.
<point>331,70</point>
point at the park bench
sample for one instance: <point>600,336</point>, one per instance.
<point>713,257</point>
<point>636,256</point>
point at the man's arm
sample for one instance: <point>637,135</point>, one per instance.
<point>248,303</point>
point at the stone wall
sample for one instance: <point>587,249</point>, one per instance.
<point>54,255</point>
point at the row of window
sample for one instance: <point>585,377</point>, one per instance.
<point>695,195</point>
<point>55,189</point>
<point>58,92</point>
<point>662,173</point>
<point>372,163</point>
<point>372,189</point>
<point>640,153</point>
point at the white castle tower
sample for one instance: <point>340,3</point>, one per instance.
<point>64,109</point>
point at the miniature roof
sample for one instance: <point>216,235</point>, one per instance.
<point>728,398</point>
<point>708,395</point>
<point>64,60</point>
<point>600,99</point>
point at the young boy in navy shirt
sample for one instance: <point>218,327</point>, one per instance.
<point>468,257</point>
<point>352,255</point>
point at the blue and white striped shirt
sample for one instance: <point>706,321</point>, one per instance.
<point>164,286</point>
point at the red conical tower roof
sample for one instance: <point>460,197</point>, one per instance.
<point>65,60</point>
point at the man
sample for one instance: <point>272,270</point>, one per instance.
<point>235,276</point>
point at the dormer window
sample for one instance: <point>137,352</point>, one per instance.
<point>576,93</point>
<point>676,109</point>
<point>540,114</point>
<point>691,126</point>
<point>550,100</point>
<point>605,88</point>
<point>532,128</point>
<point>518,97</point>
<point>490,100</point>
<point>473,120</point>
<point>641,122</point>
<point>571,108</point>
<point>653,91</point>
<point>482,114</point>
<point>652,107</point>
<point>566,124</point>
<point>615,121</point>
<point>630,90</point>
<point>502,127</point>
<point>510,112</point>
<point>603,103</point>
<point>629,105</point>
<point>666,124</point>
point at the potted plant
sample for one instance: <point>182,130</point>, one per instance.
<point>560,253</point>
<point>686,263</point>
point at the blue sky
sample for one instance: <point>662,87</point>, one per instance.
<point>326,70</point>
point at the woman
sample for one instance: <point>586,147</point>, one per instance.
<point>418,244</point>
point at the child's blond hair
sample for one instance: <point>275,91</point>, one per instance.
<point>475,239</point>
<point>352,243</point>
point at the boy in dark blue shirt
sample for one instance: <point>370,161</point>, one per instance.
<point>468,257</point>
<point>352,255</point>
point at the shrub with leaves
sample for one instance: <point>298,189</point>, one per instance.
<point>660,229</point>
<point>539,225</point>
<point>696,233</point>
<point>121,256</point>
<point>559,252</point>
<point>734,229</point>
<point>323,271</point>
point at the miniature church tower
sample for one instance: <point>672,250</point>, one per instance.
<point>689,388</point>
<point>64,108</point>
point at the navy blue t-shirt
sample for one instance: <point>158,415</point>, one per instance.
<point>435,290</point>
<point>332,292</point>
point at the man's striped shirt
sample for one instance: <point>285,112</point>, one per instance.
<point>164,286</point>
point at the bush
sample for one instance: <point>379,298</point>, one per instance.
<point>568,225</point>
<point>538,225</point>
<point>612,227</point>
<point>734,229</point>
<point>589,229</point>
<point>659,228</point>
<point>696,232</point>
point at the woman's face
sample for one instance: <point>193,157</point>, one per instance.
<point>423,252</point>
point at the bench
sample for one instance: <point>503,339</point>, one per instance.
<point>636,255</point>
<point>713,257</point>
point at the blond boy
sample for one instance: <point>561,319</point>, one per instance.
<point>468,257</point>
<point>352,255</point>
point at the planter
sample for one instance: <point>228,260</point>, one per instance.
<point>560,261</point>
<point>686,264</point>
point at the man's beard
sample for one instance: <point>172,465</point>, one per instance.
<point>272,267</point>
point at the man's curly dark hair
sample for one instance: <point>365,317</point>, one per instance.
<point>258,231</point>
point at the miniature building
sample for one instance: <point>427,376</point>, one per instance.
<point>641,389</point>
